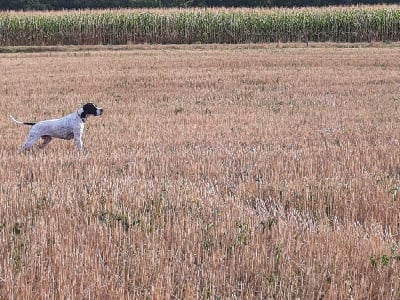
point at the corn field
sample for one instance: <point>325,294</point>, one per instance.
<point>119,27</point>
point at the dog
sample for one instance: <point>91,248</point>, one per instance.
<point>68,127</point>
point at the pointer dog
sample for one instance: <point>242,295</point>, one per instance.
<point>67,128</point>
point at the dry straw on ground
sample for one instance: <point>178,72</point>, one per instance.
<point>215,172</point>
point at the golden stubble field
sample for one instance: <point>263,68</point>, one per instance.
<point>215,172</point>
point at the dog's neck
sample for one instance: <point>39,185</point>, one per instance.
<point>82,114</point>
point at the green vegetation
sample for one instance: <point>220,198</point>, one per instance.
<point>118,27</point>
<point>96,4</point>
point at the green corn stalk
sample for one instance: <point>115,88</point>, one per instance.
<point>364,24</point>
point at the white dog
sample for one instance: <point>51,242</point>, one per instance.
<point>67,128</point>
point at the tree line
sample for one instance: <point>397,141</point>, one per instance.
<point>82,4</point>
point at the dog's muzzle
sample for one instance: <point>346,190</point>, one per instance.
<point>99,112</point>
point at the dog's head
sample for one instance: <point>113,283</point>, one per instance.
<point>89,109</point>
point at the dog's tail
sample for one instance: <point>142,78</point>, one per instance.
<point>21,123</point>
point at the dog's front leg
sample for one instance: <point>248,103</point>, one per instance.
<point>78,138</point>
<point>78,142</point>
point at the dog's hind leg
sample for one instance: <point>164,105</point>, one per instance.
<point>46,139</point>
<point>32,138</point>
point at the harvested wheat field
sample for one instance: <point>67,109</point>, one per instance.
<point>215,172</point>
